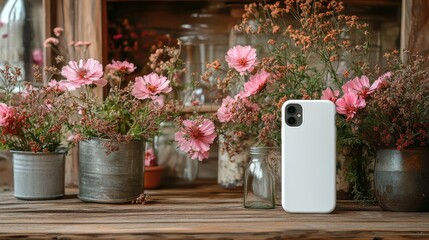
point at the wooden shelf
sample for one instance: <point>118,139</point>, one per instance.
<point>201,109</point>
<point>204,211</point>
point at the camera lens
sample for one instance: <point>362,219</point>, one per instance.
<point>291,109</point>
<point>291,121</point>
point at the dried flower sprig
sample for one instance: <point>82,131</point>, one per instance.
<point>38,120</point>
<point>395,112</point>
<point>301,48</point>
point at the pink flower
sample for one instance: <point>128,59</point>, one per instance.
<point>349,104</point>
<point>200,155</point>
<point>58,31</point>
<point>56,86</point>
<point>255,84</point>
<point>224,113</point>
<point>5,113</point>
<point>330,95</point>
<point>50,41</point>
<point>195,137</point>
<point>149,157</point>
<point>158,101</point>
<point>241,58</point>
<point>360,85</point>
<point>74,138</point>
<point>117,36</point>
<point>121,67</point>
<point>380,82</point>
<point>37,56</point>
<point>150,86</point>
<point>83,73</point>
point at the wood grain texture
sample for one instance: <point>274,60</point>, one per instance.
<point>415,26</point>
<point>203,212</point>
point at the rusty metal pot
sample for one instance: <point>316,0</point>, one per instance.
<point>401,179</point>
<point>110,178</point>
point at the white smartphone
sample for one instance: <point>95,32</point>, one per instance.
<point>308,156</point>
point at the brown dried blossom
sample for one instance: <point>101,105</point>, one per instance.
<point>397,115</point>
<point>306,41</point>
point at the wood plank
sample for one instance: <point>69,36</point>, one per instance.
<point>205,211</point>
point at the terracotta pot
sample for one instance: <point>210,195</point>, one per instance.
<point>152,176</point>
<point>401,179</point>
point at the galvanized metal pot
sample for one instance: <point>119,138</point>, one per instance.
<point>110,178</point>
<point>401,179</point>
<point>38,176</point>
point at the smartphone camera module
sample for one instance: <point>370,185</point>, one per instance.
<point>293,115</point>
<point>291,110</point>
<point>291,121</point>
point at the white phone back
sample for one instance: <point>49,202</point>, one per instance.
<point>309,159</point>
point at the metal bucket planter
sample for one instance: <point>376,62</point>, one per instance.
<point>38,176</point>
<point>113,178</point>
<point>401,179</point>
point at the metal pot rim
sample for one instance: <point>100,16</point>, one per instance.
<point>57,152</point>
<point>108,140</point>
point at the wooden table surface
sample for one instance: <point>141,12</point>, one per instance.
<point>205,211</point>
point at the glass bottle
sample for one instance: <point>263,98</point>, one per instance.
<point>259,187</point>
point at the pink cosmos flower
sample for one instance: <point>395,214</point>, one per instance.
<point>121,67</point>
<point>349,104</point>
<point>5,113</point>
<point>158,101</point>
<point>224,113</point>
<point>195,137</point>
<point>51,41</point>
<point>150,86</point>
<point>149,157</point>
<point>241,58</point>
<point>330,95</point>
<point>361,86</point>
<point>255,84</point>
<point>200,155</point>
<point>380,82</point>
<point>58,31</point>
<point>56,86</point>
<point>83,73</point>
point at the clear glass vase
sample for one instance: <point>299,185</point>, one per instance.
<point>179,168</point>
<point>259,186</point>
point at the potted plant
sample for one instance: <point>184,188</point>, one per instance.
<point>111,134</point>
<point>153,171</point>
<point>392,115</point>
<point>305,47</point>
<point>33,127</point>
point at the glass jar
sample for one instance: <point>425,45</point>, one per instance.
<point>231,168</point>
<point>179,168</point>
<point>259,186</point>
